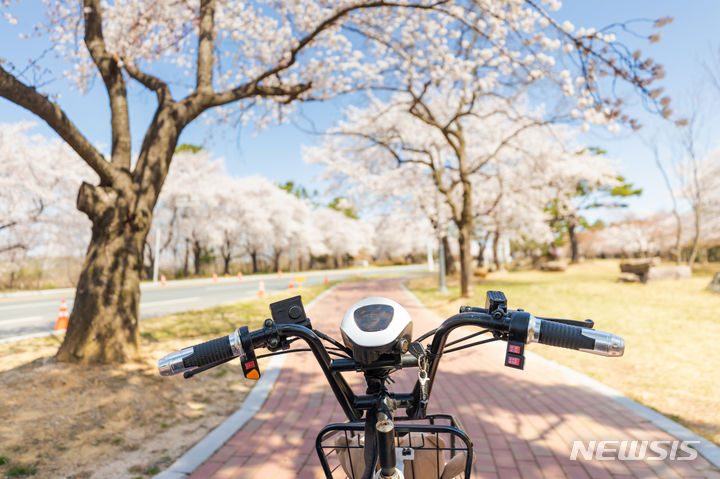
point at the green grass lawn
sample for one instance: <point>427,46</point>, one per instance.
<point>220,320</point>
<point>671,330</point>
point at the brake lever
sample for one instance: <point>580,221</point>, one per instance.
<point>588,323</point>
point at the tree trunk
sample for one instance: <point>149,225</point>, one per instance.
<point>483,247</point>
<point>226,263</point>
<point>149,268</point>
<point>103,324</point>
<point>253,255</point>
<point>678,238</point>
<point>496,256</point>
<point>696,237</point>
<point>197,253</point>
<point>226,249</point>
<point>186,262</point>
<point>449,260</point>
<point>572,224</point>
<point>465,261</point>
<point>276,261</point>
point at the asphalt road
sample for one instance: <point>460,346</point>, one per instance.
<point>35,313</point>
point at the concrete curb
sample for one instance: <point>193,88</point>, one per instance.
<point>204,449</point>
<point>705,448</point>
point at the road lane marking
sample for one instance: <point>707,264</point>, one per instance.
<point>28,319</point>
<point>38,304</point>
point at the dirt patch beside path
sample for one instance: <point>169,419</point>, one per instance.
<point>118,421</point>
<point>63,420</point>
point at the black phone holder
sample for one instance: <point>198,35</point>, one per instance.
<point>290,311</point>
<point>495,302</point>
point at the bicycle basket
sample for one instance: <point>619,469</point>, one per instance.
<point>435,448</point>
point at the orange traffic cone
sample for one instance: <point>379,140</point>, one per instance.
<point>62,321</point>
<point>326,279</point>
<point>261,289</point>
<point>163,281</point>
<point>239,275</point>
<point>279,273</point>
<point>291,285</point>
<point>214,277</point>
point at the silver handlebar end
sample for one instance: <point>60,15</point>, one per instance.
<point>606,344</point>
<point>173,362</point>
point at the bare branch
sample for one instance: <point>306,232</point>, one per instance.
<point>5,249</point>
<point>205,58</point>
<point>254,89</point>
<point>114,83</point>
<point>29,98</point>
<point>150,82</point>
<point>199,101</point>
<point>8,225</point>
<point>505,141</point>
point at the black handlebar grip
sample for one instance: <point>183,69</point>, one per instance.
<point>565,336</point>
<point>209,352</point>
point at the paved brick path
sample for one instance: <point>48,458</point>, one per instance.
<point>522,423</point>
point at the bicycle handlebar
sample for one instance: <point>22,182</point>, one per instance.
<point>516,327</point>
<point>210,352</point>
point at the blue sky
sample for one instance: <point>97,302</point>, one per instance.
<point>276,152</point>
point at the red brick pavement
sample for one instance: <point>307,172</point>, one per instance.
<point>522,423</point>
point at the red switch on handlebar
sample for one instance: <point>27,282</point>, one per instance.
<point>250,368</point>
<point>514,356</point>
<point>248,361</point>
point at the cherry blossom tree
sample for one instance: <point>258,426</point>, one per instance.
<point>687,158</point>
<point>260,57</point>
<point>202,207</point>
<point>239,53</point>
<point>401,234</point>
<point>699,179</point>
<point>38,178</point>
<point>342,236</point>
<point>631,237</point>
<point>480,156</point>
<point>590,182</point>
<point>492,85</point>
<point>187,208</point>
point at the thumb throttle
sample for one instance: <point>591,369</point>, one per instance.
<point>214,351</point>
<point>573,337</point>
